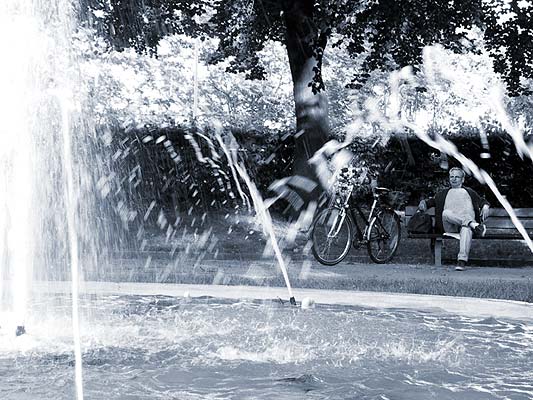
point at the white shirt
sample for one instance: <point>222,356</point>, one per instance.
<point>458,200</point>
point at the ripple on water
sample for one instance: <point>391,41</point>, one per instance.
<point>163,347</point>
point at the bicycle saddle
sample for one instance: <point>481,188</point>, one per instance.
<point>381,190</point>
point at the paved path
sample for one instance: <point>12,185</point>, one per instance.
<point>233,251</point>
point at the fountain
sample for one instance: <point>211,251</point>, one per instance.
<point>48,207</point>
<point>43,225</point>
<point>16,158</point>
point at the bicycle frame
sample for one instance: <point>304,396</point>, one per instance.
<point>362,234</point>
<point>346,202</point>
<point>354,207</point>
<point>376,234</point>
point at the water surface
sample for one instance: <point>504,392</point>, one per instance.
<point>154,347</point>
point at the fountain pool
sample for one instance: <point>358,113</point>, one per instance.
<point>164,347</point>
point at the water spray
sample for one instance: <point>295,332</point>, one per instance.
<point>37,80</point>
<point>71,201</point>
<point>484,142</point>
<point>400,122</point>
<point>266,220</point>
<point>259,206</point>
<point>17,151</point>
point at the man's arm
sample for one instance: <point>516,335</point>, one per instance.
<point>482,204</point>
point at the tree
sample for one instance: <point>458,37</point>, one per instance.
<point>509,38</point>
<point>389,34</point>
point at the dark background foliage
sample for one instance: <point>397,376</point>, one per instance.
<point>169,173</point>
<point>408,165</point>
<point>386,34</point>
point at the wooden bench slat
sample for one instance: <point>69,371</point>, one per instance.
<point>520,212</point>
<point>490,235</point>
<point>507,223</point>
<point>494,212</point>
<point>506,236</point>
<point>424,235</point>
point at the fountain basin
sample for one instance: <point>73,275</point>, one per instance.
<point>178,341</point>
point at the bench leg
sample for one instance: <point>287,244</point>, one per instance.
<point>438,252</point>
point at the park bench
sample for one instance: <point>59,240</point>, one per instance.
<point>499,226</point>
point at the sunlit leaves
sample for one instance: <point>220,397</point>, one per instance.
<point>132,89</point>
<point>388,33</point>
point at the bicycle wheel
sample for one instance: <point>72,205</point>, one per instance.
<point>331,236</point>
<point>383,236</point>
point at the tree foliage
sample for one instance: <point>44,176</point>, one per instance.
<point>389,34</point>
<point>381,35</point>
<point>509,38</point>
<point>133,90</point>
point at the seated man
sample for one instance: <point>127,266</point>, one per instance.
<point>458,209</point>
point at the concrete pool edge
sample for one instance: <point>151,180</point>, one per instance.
<point>467,306</point>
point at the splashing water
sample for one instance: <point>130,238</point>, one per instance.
<point>221,157</point>
<point>162,347</point>
<point>16,154</point>
<point>261,209</point>
<point>449,148</point>
<point>396,119</point>
<point>266,220</point>
<point>43,174</point>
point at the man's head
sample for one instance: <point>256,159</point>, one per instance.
<point>457,177</point>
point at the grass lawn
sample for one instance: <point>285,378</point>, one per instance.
<point>230,248</point>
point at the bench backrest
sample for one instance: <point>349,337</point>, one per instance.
<point>499,222</point>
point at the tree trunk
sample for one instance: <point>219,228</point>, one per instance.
<point>312,128</point>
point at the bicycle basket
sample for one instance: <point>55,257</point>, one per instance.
<point>343,184</point>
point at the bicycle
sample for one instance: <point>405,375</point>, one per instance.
<point>332,231</point>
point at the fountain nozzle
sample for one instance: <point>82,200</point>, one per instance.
<point>292,300</point>
<point>20,330</point>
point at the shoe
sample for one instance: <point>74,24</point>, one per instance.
<point>461,265</point>
<point>480,230</point>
